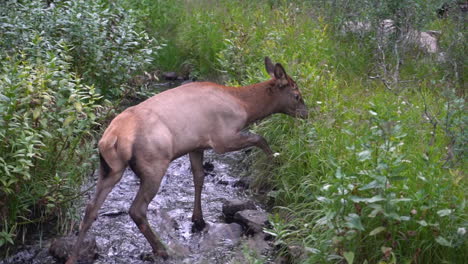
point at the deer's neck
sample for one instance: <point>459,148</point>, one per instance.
<point>257,99</point>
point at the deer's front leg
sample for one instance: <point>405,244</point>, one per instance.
<point>196,162</point>
<point>242,140</point>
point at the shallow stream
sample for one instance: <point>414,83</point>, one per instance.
<point>119,240</point>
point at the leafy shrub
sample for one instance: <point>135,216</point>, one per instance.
<point>46,117</point>
<point>104,44</point>
<point>57,63</point>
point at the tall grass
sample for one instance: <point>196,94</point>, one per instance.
<point>375,174</point>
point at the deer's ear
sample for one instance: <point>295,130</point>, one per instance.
<point>280,75</point>
<point>270,68</point>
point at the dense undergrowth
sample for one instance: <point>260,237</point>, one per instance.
<point>377,173</point>
<point>58,66</point>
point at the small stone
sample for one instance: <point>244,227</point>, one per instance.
<point>297,252</point>
<point>223,182</point>
<point>170,76</point>
<point>242,183</point>
<point>208,166</point>
<point>230,208</point>
<point>61,248</point>
<point>254,221</point>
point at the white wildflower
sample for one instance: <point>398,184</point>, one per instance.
<point>461,231</point>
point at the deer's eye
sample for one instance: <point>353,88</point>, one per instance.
<point>297,97</point>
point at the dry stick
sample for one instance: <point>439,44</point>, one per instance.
<point>432,119</point>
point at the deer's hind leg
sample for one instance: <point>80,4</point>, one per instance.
<point>108,177</point>
<point>150,173</point>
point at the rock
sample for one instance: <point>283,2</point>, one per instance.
<point>61,248</point>
<point>254,221</point>
<point>27,255</point>
<point>258,247</point>
<point>258,244</point>
<point>223,182</point>
<point>208,166</point>
<point>221,234</point>
<point>230,208</point>
<point>243,183</point>
<point>296,252</point>
<point>170,76</point>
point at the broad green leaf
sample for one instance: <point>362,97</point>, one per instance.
<point>374,199</point>
<point>349,256</point>
<point>442,241</point>
<point>405,218</point>
<point>4,98</point>
<point>36,112</point>
<point>422,222</point>
<point>364,155</point>
<point>354,221</point>
<point>372,185</point>
<point>444,212</point>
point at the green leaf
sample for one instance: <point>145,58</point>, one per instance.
<point>364,155</point>
<point>78,106</point>
<point>374,199</point>
<point>444,212</point>
<point>354,221</point>
<point>68,120</point>
<point>349,256</point>
<point>36,112</point>
<point>442,241</point>
<point>401,200</point>
<point>372,185</point>
<point>422,222</point>
<point>338,173</point>
<point>377,230</point>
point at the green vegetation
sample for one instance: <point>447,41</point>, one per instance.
<point>375,175</point>
<point>56,66</point>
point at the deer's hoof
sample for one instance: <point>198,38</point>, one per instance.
<point>198,225</point>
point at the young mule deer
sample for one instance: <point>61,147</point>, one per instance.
<point>188,119</point>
